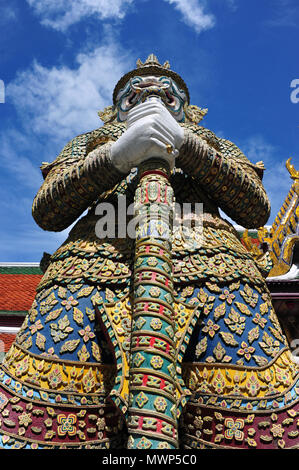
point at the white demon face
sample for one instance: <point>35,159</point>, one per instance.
<point>138,89</point>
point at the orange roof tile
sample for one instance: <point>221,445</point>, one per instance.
<point>6,341</point>
<point>17,291</point>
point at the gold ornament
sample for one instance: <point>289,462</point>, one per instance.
<point>291,169</point>
<point>194,113</point>
<point>108,114</point>
<point>169,148</point>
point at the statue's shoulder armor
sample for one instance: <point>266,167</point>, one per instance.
<point>225,146</point>
<point>78,148</point>
<point>109,132</point>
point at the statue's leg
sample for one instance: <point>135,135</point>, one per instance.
<point>240,370</point>
<point>55,379</point>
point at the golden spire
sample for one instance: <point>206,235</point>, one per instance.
<point>283,235</point>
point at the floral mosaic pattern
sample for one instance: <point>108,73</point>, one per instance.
<point>231,329</point>
<point>62,323</point>
<point>273,427</point>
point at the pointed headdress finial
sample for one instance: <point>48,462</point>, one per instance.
<point>151,66</point>
<point>152,60</point>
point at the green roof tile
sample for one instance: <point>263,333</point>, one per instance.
<point>20,270</point>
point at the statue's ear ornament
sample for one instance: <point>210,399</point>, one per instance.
<point>109,114</point>
<point>194,113</point>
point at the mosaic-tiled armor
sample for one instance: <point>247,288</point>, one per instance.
<point>154,345</point>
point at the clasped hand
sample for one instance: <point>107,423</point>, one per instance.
<point>151,132</point>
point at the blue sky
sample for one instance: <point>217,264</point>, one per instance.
<point>60,60</point>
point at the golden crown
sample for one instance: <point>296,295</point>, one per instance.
<point>151,66</point>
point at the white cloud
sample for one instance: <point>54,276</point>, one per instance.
<point>232,4</point>
<point>284,14</point>
<point>194,14</point>
<point>14,147</point>
<point>276,180</point>
<point>60,14</point>
<point>7,14</point>
<point>256,148</point>
<point>62,102</point>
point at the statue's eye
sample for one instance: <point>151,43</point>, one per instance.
<point>165,80</point>
<point>136,80</point>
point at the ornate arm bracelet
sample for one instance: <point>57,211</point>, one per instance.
<point>233,185</point>
<point>69,190</point>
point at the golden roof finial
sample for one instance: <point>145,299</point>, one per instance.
<point>291,169</point>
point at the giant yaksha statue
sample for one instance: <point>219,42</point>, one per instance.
<point>154,342</point>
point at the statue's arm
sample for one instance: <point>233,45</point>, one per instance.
<point>234,183</point>
<point>72,183</point>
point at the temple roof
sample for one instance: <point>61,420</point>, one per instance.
<point>18,286</point>
<point>282,238</point>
